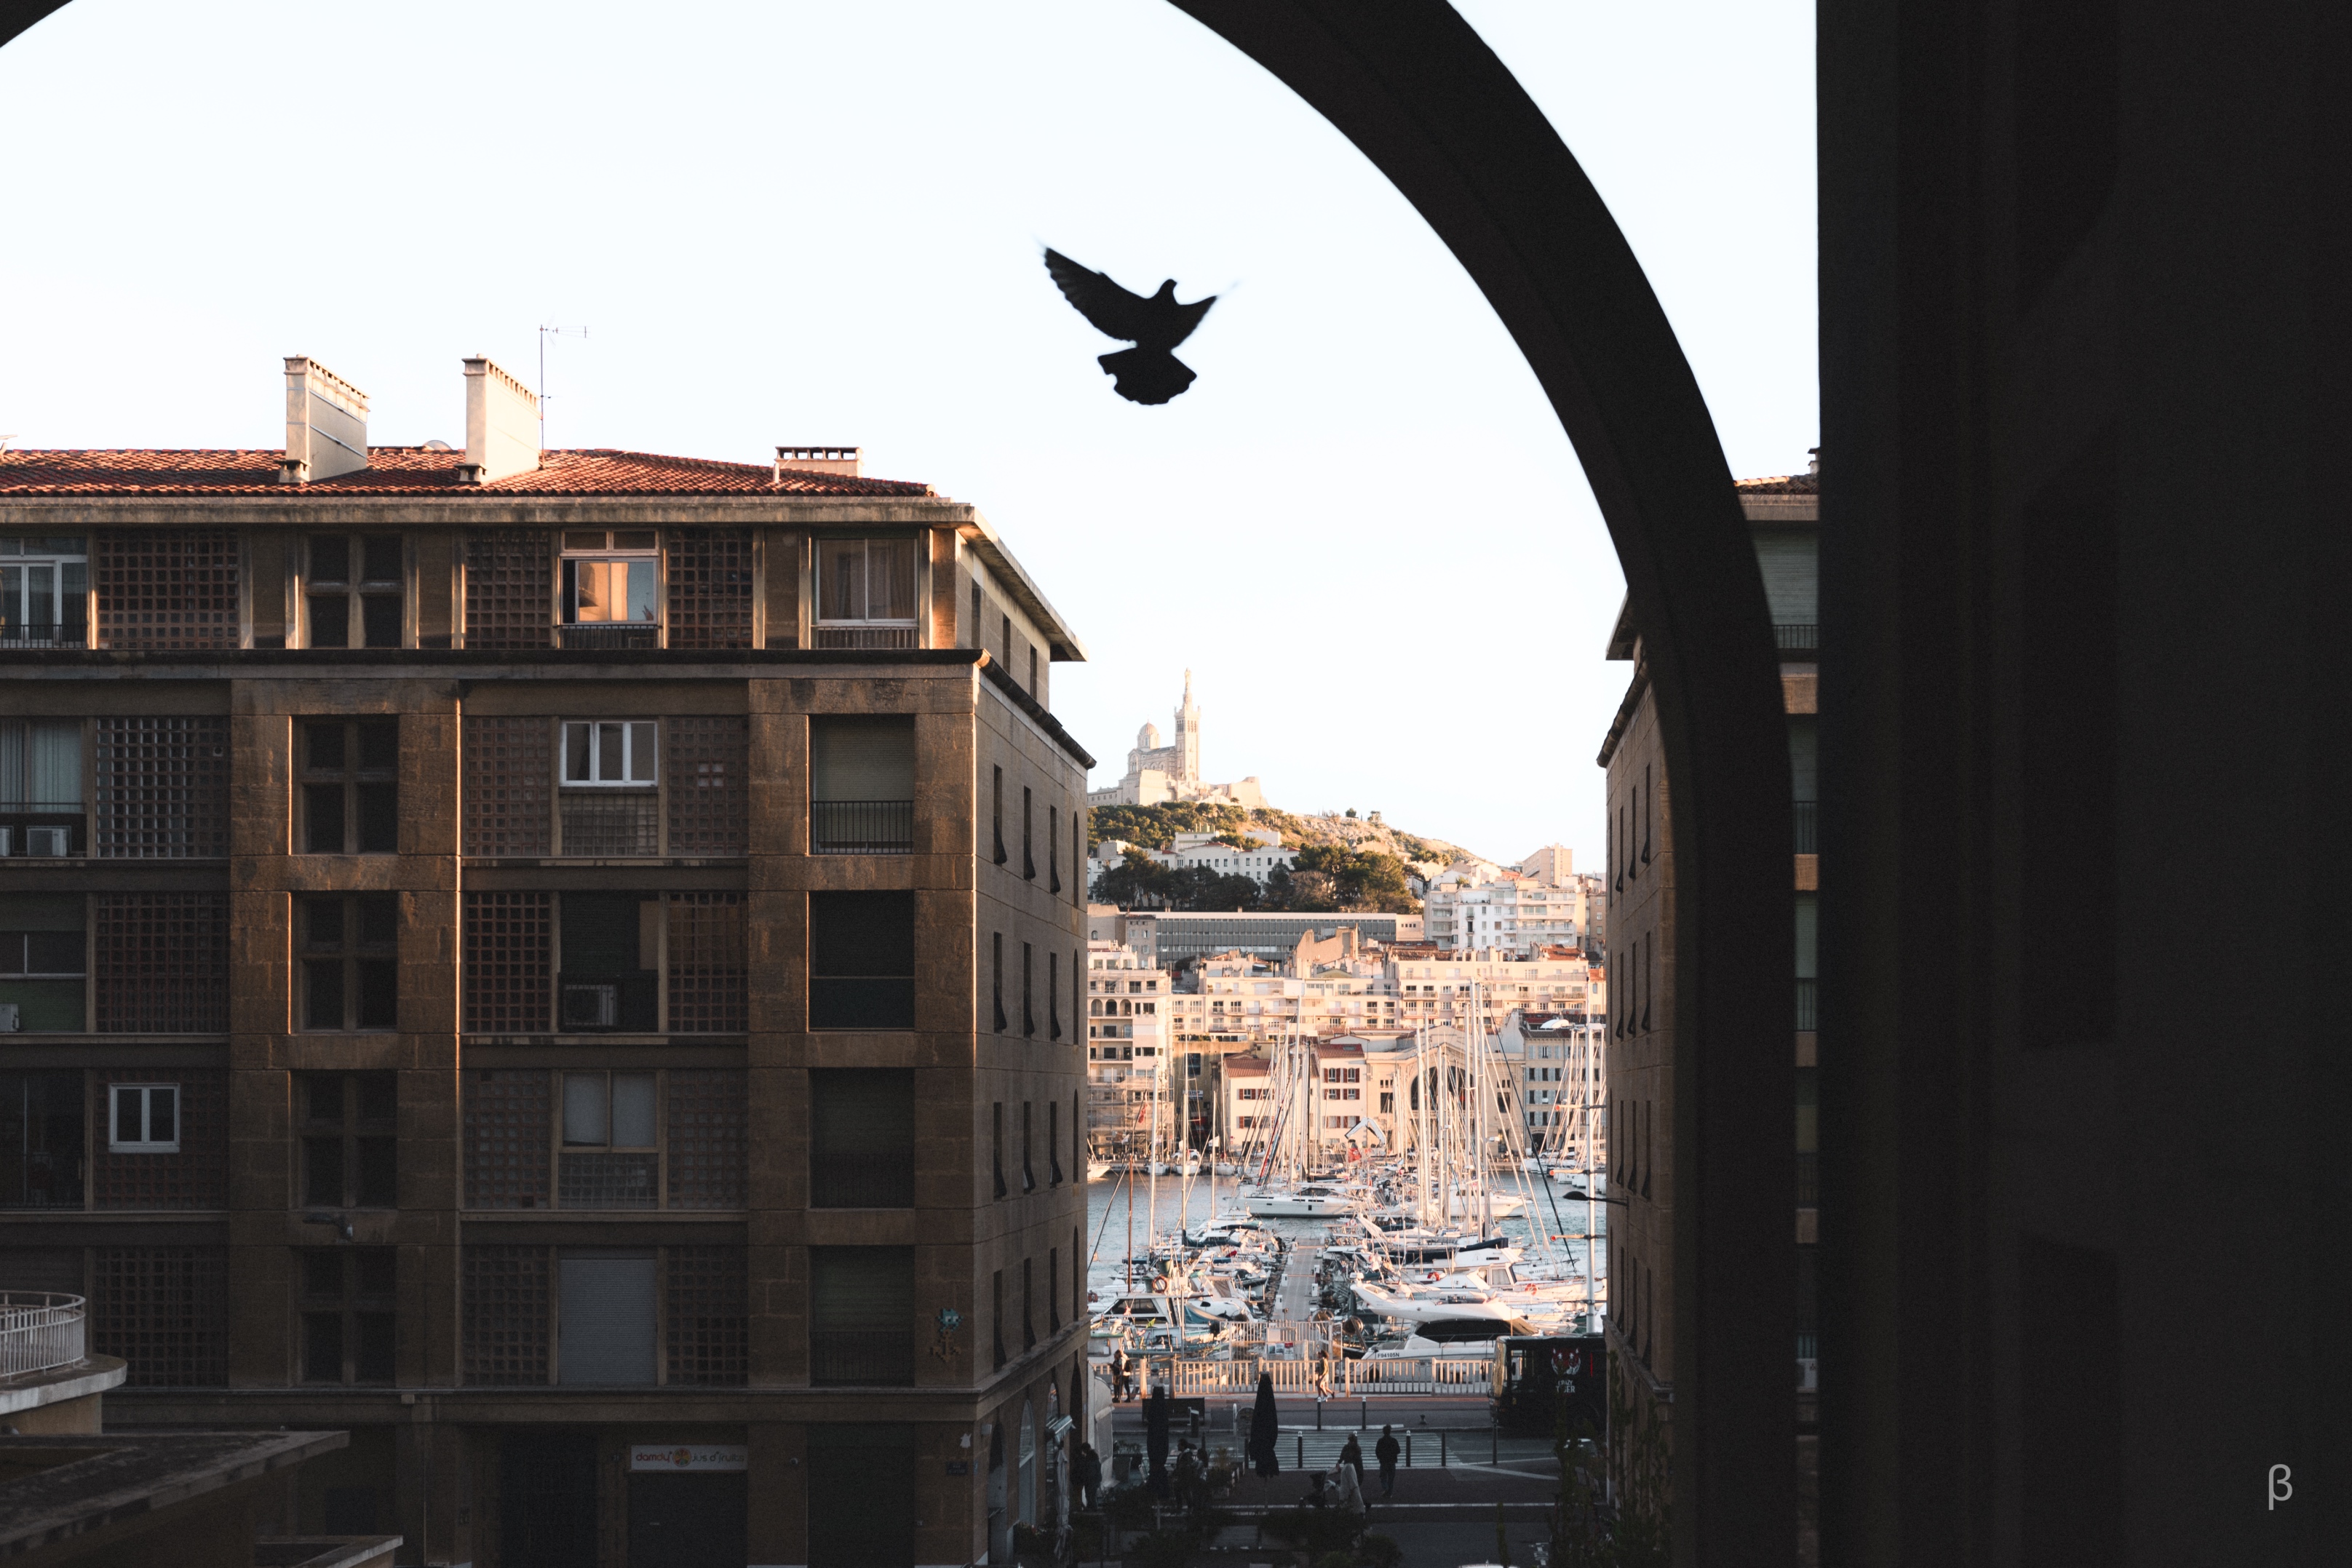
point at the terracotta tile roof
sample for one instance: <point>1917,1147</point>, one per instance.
<point>406,470</point>
<point>1780,484</point>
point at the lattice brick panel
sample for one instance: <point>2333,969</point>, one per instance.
<point>709,587</point>
<point>507,946</point>
<point>709,1138</point>
<point>507,761</point>
<point>506,1131</point>
<point>165,590</point>
<point>600,1180</point>
<point>509,589</point>
<point>162,963</point>
<point>162,787</point>
<point>164,1310</point>
<point>504,1310</point>
<point>624,823</point>
<point>710,784</point>
<point>708,1311</point>
<point>194,1178</point>
<point>709,993</point>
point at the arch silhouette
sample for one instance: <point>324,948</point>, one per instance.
<point>1412,86</point>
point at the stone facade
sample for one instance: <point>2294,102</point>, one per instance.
<point>507,1129</point>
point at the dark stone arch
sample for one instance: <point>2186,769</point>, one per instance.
<point>1419,94</point>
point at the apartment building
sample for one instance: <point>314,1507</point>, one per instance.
<point>1470,905</point>
<point>1783,515</point>
<point>568,965</point>
<point>1132,1104</point>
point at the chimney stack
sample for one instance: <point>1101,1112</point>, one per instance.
<point>326,424</point>
<point>846,460</point>
<point>501,425</point>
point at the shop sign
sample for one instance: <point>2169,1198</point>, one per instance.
<point>690,1456</point>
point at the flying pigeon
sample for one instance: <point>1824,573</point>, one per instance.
<point>1149,373</point>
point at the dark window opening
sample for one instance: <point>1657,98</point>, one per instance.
<point>861,960</point>
<point>1028,1161</point>
<point>1052,996</point>
<point>997,809</point>
<point>861,1138</point>
<point>351,965</point>
<point>42,1147</point>
<point>1053,849</point>
<point>1028,1002</point>
<point>1053,1291</point>
<point>350,1126</point>
<point>354,584</point>
<point>997,970</point>
<point>1028,835</point>
<point>996,1145</point>
<point>610,947</point>
<point>349,1313</point>
<point>350,794</point>
<point>861,1316</point>
<point>1053,1142</point>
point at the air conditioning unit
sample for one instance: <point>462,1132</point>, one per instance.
<point>592,1007</point>
<point>49,841</point>
<point>10,1019</point>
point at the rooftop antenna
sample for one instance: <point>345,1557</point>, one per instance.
<point>545,332</point>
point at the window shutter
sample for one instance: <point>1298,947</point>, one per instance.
<point>607,1312</point>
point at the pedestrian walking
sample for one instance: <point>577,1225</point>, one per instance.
<point>1386,1451</point>
<point>1343,1492</point>
<point>1089,1475</point>
<point>1266,1429</point>
<point>1351,1454</point>
<point>1122,1377</point>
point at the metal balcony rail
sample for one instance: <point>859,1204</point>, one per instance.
<point>870,1357</point>
<point>862,1181</point>
<point>39,1330</point>
<point>1806,639</point>
<point>876,637</point>
<point>1808,826</point>
<point>43,635</point>
<point>1808,1004</point>
<point>606,635</point>
<point>861,827</point>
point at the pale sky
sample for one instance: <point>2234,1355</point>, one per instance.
<point>1362,528</point>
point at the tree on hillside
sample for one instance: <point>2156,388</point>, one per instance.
<point>1334,877</point>
<point>1156,826</point>
<point>1139,881</point>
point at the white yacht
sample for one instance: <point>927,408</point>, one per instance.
<point>1311,1201</point>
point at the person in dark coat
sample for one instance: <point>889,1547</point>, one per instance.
<point>1266,1429</point>
<point>1088,1474</point>
<point>1386,1451</point>
<point>1351,1453</point>
<point>1155,1438</point>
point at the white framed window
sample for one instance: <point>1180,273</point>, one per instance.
<point>610,753</point>
<point>44,591</point>
<point>143,1119</point>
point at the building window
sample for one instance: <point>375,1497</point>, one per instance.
<point>611,589</point>
<point>40,788</point>
<point>143,1119</point>
<point>1028,838</point>
<point>351,968</point>
<point>1054,995</point>
<point>996,942</point>
<point>43,961</point>
<point>1053,1142</point>
<point>861,1316</point>
<point>610,944</point>
<point>41,1129</point>
<point>996,1145</point>
<point>350,1146</point>
<point>350,799</point>
<point>606,1316</point>
<point>861,1138</point>
<point>862,785</point>
<point>1053,1291</point>
<point>44,591</point>
<point>611,1158</point>
<point>861,960</point>
<point>352,594</point>
<point>1028,979</point>
<point>1028,1161</point>
<point>997,803</point>
<point>611,754</point>
<point>349,1298</point>
<point>1053,849</point>
<point>866,593</point>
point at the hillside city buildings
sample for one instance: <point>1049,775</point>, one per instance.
<point>1784,519</point>
<point>568,965</point>
<point>1541,902</point>
<point>1158,774</point>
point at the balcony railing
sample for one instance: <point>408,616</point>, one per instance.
<point>1807,827</point>
<point>1806,639</point>
<point>876,637</point>
<point>623,823</point>
<point>1808,1004</point>
<point>44,634</point>
<point>862,1181</point>
<point>39,1330</point>
<point>605,635</point>
<point>863,1356</point>
<point>43,828</point>
<point>861,827</point>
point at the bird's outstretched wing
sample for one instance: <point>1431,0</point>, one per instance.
<point>1115,312</point>
<point>1185,317</point>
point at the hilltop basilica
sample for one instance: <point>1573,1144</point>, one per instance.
<point>1157,774</point>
